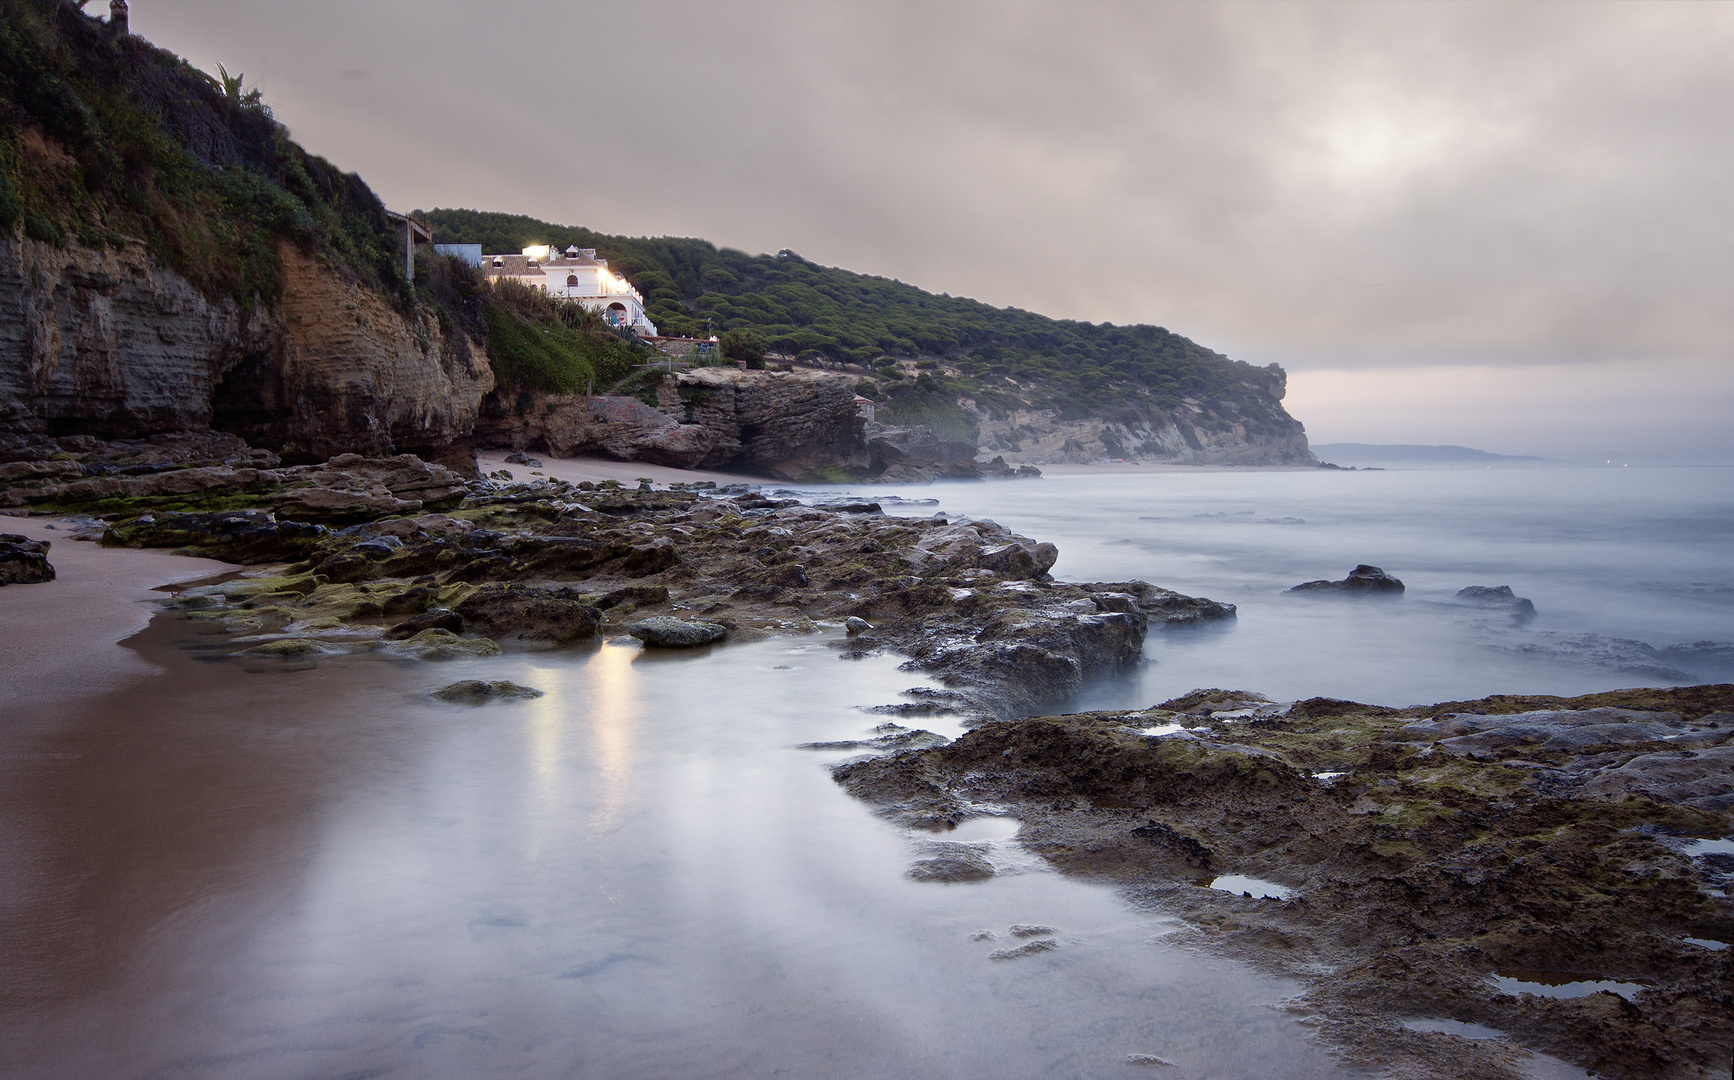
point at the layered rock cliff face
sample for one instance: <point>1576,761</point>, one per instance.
<point>348,374</point>
<point>788,425</point>
<point>1043,436</point>
<point>110,343</point>
<point>1249,427</point>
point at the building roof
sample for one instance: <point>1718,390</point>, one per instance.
<point>508,266</point>
<point>587,257</point>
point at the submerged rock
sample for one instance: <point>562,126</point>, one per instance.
<point>294,647</point>
<point>1497,598</point>
<point>1701,657</point>
<point>952,864</point>
<point>1362,580</point>
<point>477,691</point>
<point>1028,948</point>
<point>668,632</point>
<point>24,561</point>
<point>442,645</point>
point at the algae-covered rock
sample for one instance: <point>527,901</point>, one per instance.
<point>293,647</point>
<point>24,561</point>
<point>1571,844</point>
<point>478,691</point>
<point>442,645</point>
<point>531,613</point>
<point>952,864</point>
<point>438,619</point>
<point>668,632</point>
<point>242,536</point>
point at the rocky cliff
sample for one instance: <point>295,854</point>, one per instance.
<point>171,260</point>
<point>788,425</point>
<point>111,343</point>
<point>1185,437</point>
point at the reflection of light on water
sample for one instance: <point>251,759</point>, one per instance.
<point>613,723</point>
<point>547,716</point>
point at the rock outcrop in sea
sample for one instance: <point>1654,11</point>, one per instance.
<point>1552,869</point>
<point>1363,580</point>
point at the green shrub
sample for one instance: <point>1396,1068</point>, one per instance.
<point>744,346</point>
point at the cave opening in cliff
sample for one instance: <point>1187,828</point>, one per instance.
<point>244,403</point>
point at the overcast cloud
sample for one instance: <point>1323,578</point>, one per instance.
<point>1505,225</point>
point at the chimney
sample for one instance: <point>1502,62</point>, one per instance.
<point>117,17</point>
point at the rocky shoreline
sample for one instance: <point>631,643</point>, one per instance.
<point>1405,859</point>
<point>407,557</point>
<point>1452,883</point>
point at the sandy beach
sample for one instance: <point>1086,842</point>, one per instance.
<point>60,637</point>
<point>577,469</point>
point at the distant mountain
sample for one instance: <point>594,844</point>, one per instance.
<point>1404,454</point>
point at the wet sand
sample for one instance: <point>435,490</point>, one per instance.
<point>574,470</point>
<point>251,868</point>
<point>60,637</point>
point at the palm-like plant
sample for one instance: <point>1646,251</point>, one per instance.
<point>231,87</point>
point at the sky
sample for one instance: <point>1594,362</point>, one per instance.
<point>1507,225</point>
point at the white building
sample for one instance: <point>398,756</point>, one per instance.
<point>575,274</point>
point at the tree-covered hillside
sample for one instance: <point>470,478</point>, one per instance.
<point>994,358</point>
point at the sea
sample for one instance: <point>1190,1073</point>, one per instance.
<point>242,868</point>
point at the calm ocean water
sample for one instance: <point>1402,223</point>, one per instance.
<point>246,869</point>
<point>1621,565</point>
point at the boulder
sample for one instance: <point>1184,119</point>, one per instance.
<point>668,632</point>
<point>529,612</point>
<point>1363,580</point>
<point>24,561</point>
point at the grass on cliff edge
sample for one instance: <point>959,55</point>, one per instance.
<point>536,344</point>
<point>108,141</point>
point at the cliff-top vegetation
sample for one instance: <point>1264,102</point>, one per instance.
<point>997,358</point>
<point>108,141</point>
